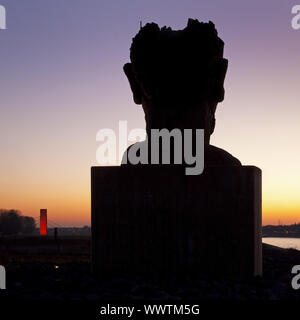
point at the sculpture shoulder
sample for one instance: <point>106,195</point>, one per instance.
<point>217,156</point>
<point>125,155</point>
<point>212,155</point>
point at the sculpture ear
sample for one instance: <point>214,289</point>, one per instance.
<point>134,85</point>
<point>220,73</point>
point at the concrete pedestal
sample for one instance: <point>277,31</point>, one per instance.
<point>156,219</point>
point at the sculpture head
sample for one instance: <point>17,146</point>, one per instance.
<point>178,75</point>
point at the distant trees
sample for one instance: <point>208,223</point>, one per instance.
<point>28,224</point>
<point>12,222</point>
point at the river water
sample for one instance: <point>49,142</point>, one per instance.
<point>283,242</point>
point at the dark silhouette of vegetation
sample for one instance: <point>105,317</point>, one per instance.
<point>28,225</point>
<point>12,222</point>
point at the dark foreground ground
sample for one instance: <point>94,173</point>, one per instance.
<point>47,270</point>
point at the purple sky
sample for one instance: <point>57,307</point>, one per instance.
<point>62,81</point>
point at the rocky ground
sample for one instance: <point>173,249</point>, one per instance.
<point>61,275</point>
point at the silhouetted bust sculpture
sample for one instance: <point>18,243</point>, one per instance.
<point>177,76</point>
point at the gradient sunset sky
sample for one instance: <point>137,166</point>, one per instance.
<point>61,81</point>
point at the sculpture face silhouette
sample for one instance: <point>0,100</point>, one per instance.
<point>178,76</point>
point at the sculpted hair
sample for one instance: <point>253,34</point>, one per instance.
<point>184,62</point>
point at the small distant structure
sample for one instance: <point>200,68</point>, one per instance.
<point>55,233</point>
<point>43,222</point>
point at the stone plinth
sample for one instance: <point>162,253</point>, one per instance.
<point>156,219</point>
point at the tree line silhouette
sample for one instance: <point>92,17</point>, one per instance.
<point>12,222</point>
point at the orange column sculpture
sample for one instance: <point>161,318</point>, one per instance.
<point>43,222</point>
